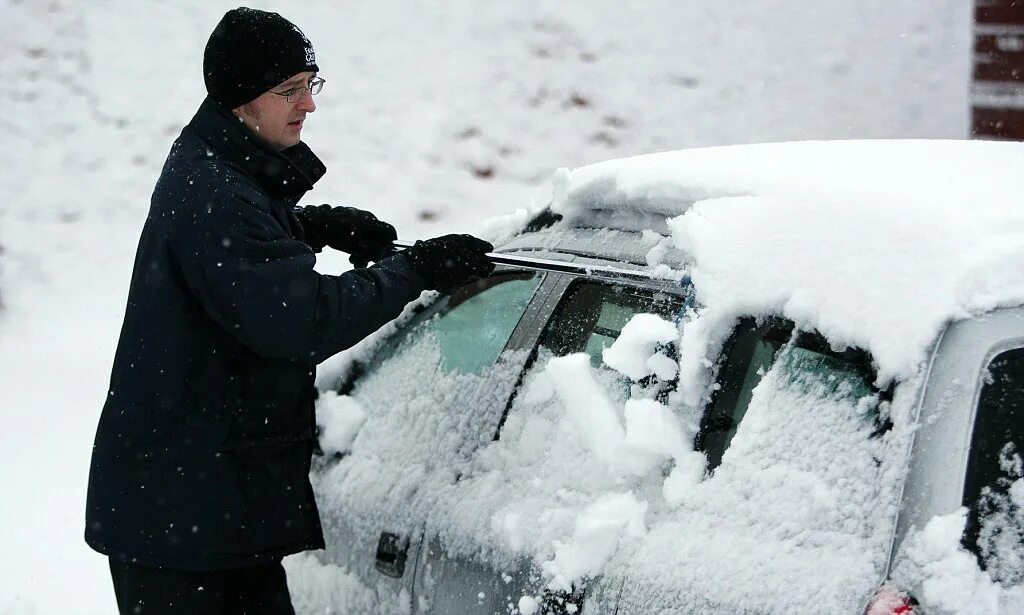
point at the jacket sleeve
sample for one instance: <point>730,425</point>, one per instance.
<point>258,282</point>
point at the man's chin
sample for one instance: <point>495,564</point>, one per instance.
<point>289,143</point>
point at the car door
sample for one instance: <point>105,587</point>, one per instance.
<point>582,314</point>
<point>787,507</point>
<point>431,394</point>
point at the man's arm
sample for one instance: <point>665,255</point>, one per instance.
<point>259,284</point>
<point>354,231</point>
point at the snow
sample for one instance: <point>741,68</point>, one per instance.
<point>942,217</point>
<point>653,435</point>
<point>593,475</point>
<point>326,589</point>
<point>586,404</point>
<point>599,530</point>
<point>778,506</point>
<point>949,575</point>
<point>630,439</point>
<point>422,98</point>
<point>633,353</point>
<point>528,605</point>
<point>1001,539</point>
<point>502,228</point>
<point>340,418</point>
<point>560,501</point>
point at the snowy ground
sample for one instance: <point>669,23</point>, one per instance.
<point>436,115</point>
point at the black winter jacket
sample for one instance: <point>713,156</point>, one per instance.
<point>202,453</point>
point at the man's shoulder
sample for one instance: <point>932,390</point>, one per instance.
<point>194,177</point>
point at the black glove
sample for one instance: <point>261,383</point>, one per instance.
<point>351,230</point>
<point>450,261</point>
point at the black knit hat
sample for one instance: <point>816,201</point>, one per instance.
<point>251,51</point>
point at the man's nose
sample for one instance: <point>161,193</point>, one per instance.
<point>307,103</point>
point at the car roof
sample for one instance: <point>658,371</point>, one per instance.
<point>623,247</point>
<point>875,244</point>
<point>641,192</point>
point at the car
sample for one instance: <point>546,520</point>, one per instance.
<point>772,378</point>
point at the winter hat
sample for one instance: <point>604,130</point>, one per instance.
<point>251,51</point>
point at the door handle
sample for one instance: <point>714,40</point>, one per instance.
<point>392,552</point>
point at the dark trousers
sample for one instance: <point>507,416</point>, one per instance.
<point>258,590</point>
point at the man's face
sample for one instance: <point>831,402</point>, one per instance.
<point>275,120</point>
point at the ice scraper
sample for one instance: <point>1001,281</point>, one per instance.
<point>540,264</point>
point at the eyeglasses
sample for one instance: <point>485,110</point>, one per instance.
<point>294,95</point>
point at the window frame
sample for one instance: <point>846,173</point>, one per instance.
<point>781,331</point>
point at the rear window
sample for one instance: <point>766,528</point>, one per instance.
<point>993,488</point>
<point>806,362</point>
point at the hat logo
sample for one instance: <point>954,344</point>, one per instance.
<point>310,55</point>
<point>299,32</point>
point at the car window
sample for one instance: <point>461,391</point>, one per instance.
<point>445,363</point>
<point>591,315</point>
<point>471,327</point>
<point>993,487</point>
<point>805,360</point>
<point>478,321</point>
<point>589,318</point>
<point>421,406</point>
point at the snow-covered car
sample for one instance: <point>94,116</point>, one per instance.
<point>785,378</point>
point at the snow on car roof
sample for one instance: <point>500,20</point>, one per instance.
<point>875,244</point>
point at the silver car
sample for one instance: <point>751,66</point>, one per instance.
<point>488,338</point>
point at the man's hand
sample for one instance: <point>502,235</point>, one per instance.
<point>450,261</point>
<point>351,230</point>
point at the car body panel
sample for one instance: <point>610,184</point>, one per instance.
<point>935,479</point>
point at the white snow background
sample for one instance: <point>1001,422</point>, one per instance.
<point>436,116</point>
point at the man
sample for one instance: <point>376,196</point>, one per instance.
<point>199,479</point>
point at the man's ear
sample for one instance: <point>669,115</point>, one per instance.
<point>248,110</point>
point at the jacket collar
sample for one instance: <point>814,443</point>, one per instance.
<point>286,174</point>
